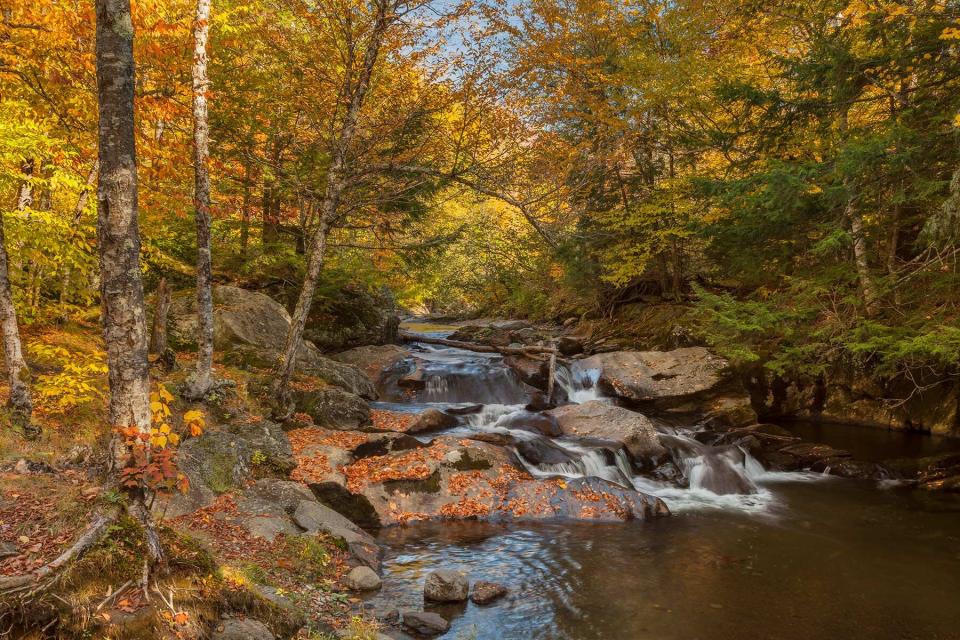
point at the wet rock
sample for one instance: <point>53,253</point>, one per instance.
<point>446,586</point>
<point>658,375</point>
<point>541,423</point>
<point>849,468</point>
<point>425,623</point>
<point>808,453</point>
<point>539,402</point>
<point>533,372</point>
<point>495,438</point>
<point>486,592</point>
<point>245,629</point>
<point>362,578</point>
<point>333,408</point>
<point>540,451</point>
<point>416,380</point>
<point>596,419</point>
<point>465,411</point>
<point>373,360</point>
<point>431,420</point>
<point>569,346</point>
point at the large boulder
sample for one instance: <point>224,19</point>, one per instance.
<point>242,629</point>
<point>333,408</point>
<point>658,375</point>
<point>454,478</point>
<point>373,360</point>
<point>603,421</point>
<point>362,579</point>
<point>425,623</point>
<point>240,317</point>
<point>223,458</point>
<point>250,329</point>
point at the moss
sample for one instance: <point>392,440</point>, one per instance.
<point>429,485</point>
<point>469,463</point>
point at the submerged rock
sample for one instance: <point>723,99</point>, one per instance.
<point>486,592</point>
<point>597,419</point>
<point>446,586</point>
<point>425,623</point>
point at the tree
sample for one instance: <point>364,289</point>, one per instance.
<point>354,88</point>
<point>17,370</point>
<point>202,379</point>
<point>121,288</point>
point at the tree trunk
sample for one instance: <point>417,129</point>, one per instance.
<point>25,193</point>
<point>121,289</point>
<point>336,182</point>
<point>854,219</point>
<point>161,310</point>
<point>202,378</point>
<point>18,375</point>
<point>245,213</point>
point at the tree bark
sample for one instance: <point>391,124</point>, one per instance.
<point>336,182</point>
<point>202,378</point>
<point>161,310</point>
<point>121,289</point>
<point>18,375</point>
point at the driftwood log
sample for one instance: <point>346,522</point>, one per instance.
<point>528,351</point>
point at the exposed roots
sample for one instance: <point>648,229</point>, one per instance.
<point>36,582</point>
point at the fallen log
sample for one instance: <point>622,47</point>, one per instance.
<point>528,351</point>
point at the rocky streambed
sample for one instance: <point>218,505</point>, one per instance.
<point>557,481</point>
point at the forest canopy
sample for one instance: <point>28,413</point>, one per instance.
<point>789,169</point>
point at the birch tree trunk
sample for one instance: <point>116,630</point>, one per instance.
<point>121,289</point>
<point>202,379</point>
<point>336,183</point>
<point>18,375</point>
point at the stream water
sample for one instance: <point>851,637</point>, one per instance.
<point>746,554</point>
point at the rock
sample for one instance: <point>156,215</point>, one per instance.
<point>486,592</point>
<point>510,325</point>
<point>597,419</point>
<point>569,346</point>
<point>531,371</point>
<point>362,578</point>
<point>285,494</point>
<point>425,623</point>
<point>333,408</point>
<point>345,376</point>
<point>540,451</point>
<point>214,463</point>
<point>314,517</point>
<point>245,629</point>
<point>658,375</point>
<point>541,423</point>
<point>30,467</point>
<point>431,420</point>
<point>269,440</point>
<point>456,478</point>
<point>373,360</point>
<point>464,411</point>
<point>446,586</point>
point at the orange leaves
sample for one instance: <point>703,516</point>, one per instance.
<point>391,420</point>
<point>412,465</point>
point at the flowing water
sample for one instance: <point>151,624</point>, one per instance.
<point>747,553</point>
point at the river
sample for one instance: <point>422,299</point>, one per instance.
<point>804,556</point>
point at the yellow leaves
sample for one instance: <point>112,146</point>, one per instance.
<point>195,422</point>
<point>956,120</point>
<point>950,33</point>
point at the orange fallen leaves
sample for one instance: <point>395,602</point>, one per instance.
<point>391,420</point>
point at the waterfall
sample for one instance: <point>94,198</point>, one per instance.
<point>579,385</point>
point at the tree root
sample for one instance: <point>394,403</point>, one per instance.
<point>30,585</point>
<point>40,580</point>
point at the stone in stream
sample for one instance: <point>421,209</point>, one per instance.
<point>568,346</point>
<point>531,371</point>
<point>540,451</point>
<point>541,423</point>
<point>425,623</point>
<point>431,420</point>
<point>362,578</point>
<point>486,592</point>
<point>464,411</point>
<point>446,585</point>
<point>597,419</point>
<point>374,361</point>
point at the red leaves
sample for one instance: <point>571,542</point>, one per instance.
<point>391,420</point>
